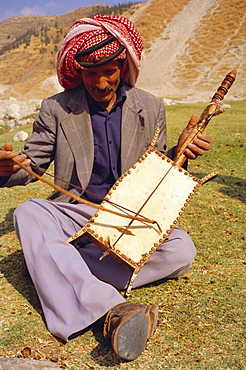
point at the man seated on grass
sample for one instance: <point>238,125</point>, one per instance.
<point>93,131</point>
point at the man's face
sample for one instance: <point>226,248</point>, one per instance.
<point>102,82</point>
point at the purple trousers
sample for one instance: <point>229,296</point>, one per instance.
<point>75,288</point>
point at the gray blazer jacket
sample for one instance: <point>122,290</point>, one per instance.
<point>63,133</point>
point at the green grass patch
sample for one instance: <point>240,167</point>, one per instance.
<point>202,314</point>
<point>31,116</point>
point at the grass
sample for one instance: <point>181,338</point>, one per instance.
<point>202,314</point>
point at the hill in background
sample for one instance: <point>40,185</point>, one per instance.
<point>190,45</point>
<point>199,43</point>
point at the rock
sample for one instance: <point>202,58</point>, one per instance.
<point>38,106</point>
<point>12,111</point>
<point>12,108</point>
<point>168,101</point>
<point>26,364</point>
<point>28,121</point>
<point>12,124</point>
<point>52,83</point>
<point>20,136</point>
<point>225,106</point>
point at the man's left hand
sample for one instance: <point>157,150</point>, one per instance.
<point>199,145</point>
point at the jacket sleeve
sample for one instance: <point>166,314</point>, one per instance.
<point>40,147</point>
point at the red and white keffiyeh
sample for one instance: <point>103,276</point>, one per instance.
<point>87,32</point>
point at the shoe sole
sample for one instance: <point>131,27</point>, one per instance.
<point>130,338</point>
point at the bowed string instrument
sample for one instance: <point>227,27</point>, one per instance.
<point>159,188</point>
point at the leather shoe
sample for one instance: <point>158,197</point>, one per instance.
<point>129,326</point>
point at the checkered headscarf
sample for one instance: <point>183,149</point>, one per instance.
<point>84,34</point>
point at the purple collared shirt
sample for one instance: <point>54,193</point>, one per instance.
<point>107,138</point>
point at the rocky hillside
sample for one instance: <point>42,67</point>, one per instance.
<point>191,54</point>
<point>190,45</point>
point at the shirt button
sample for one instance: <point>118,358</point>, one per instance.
<point>110,142</point>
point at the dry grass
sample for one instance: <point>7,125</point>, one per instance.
<point>152,22</point>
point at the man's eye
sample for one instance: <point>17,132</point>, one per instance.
<point>109,71</point>
<point>90,73</point>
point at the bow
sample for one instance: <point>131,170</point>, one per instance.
<point>84,201</point>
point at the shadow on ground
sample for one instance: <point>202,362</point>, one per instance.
<point>12,268</point>
<point>7,224</point>
<point>233,187</point>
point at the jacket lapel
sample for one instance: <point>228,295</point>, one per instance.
<point>78,131</point>
<point>133,143</point>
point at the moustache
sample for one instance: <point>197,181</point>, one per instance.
<point>101,91</point>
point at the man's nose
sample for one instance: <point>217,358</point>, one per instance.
<point>102,83</point>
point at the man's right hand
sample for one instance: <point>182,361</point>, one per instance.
<point>7,166</point>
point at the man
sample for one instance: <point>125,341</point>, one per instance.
<point>93,131</point>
